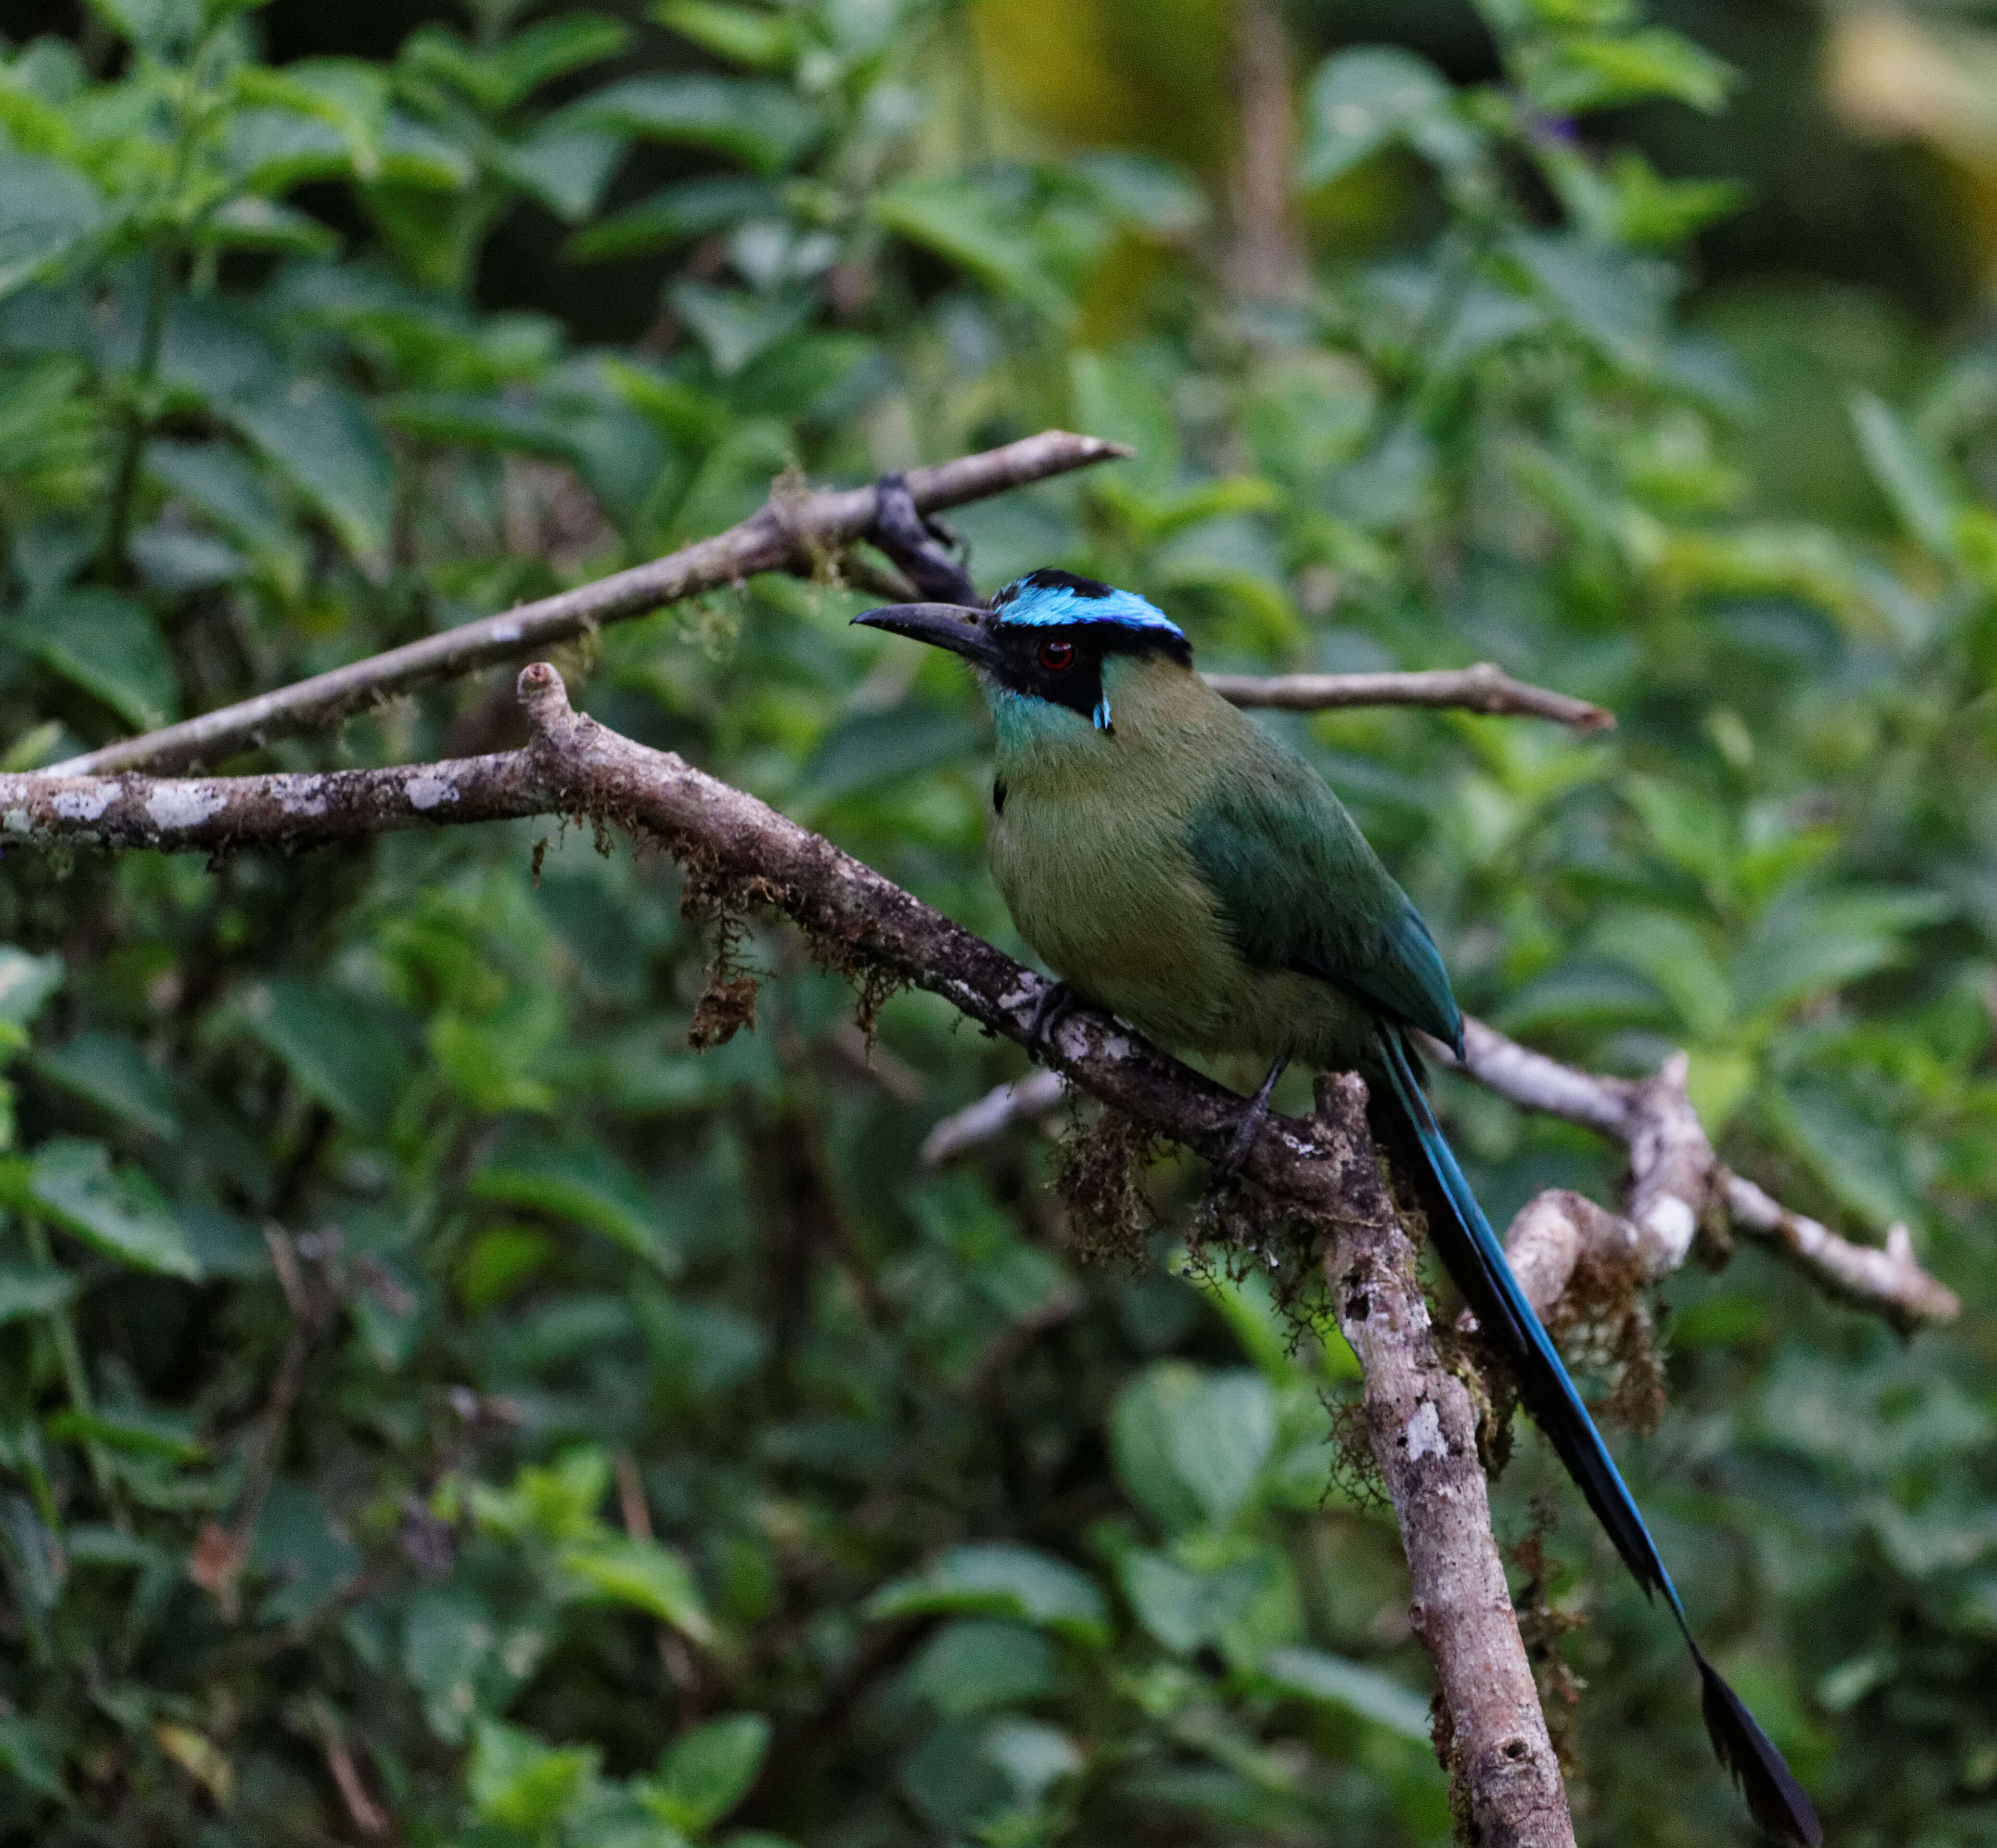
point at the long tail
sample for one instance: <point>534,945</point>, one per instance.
<point>1476,1260</point>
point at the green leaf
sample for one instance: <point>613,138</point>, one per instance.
<point>555,1501</point>
<point>706,1772</point>
<point>47,210</point>
<point>1810,945</point>
<point>551,48</point>
<point>28,1754</point>
<point>172,559</point>
<point>1670,951</point>
<point>974,1665</point>
<point>248,223</point>
<point>997,1579</point>
<point>160,26</point>
<point>734,325</point>
<point>644,1574</point>
<point>414,154</point>
<point>216,478</point>
<point>1189,1446</point>
<point>25,1293</point>
<point>873,748</point>
<point>107,645</point>
<point>764,125</point>
<point>691,208</point>
<point>135,1431</point>
<point>1573,76</point>
<point>108,1071</point>
<point>518,1781</point>
<point>764,41</point>
<point>478,422</point>
<point>1911,476</point>
<point>963,224</point>
<point>1860,1158</point>
<point>26,983</point>
<point>1170,1602</point>
<point>1358,102</point>
<point>118,1211</point>
<point>1241,1603</point>
<point>1327,1680</point>
<point>1157,196</point>
<point>349,95</point>
<point>304,1548</point>
<point>320,435</point>
<point>341,1048</point>
<point>583,1182</point>
<point>1614,300</point>
<point>565,168</point>
<point>463,1660</point>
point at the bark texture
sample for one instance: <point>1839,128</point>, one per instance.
<point>1422,1430</point>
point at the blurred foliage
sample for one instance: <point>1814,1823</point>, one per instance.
<point>434,1401</point>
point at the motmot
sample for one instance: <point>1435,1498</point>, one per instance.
<point>1179,866</point>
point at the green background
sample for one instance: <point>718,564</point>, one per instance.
<point>437,1405</point>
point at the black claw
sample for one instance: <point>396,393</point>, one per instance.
<point>1253,1117</point>
<point>916,544</point>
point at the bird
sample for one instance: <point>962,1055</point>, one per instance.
<point>1177,865</point>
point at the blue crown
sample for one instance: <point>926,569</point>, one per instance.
<point>1048,597</point>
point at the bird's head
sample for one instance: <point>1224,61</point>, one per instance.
<point>1048,635</point>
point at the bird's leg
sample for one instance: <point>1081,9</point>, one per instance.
<point>1056,1002</point>
<point>1253,1117</point>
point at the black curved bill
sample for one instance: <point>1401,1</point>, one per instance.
<point>955,626</point>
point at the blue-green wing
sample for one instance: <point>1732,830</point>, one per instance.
<point>1301,889</point>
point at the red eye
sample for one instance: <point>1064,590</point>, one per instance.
<point>1055,656</point>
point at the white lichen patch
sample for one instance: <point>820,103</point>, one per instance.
<point>185,805</point>
<point>18,821</point>
<point>426,792</point>
<point>1673,1223</point>
<point>505,631</point>
<point>1424,1436</point>
<point>81,804</point>
<point>300,795</point>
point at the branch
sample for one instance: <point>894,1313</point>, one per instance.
<point>1483,688</point>
<point>793,531</point>
<point>1678,1184</point>
<point>1423,1428</point>
<point>737,851</point>
<point>1023,1101</point>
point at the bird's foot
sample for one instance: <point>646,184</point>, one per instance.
<point>1253,1115</point>
<point>1056,1002</point>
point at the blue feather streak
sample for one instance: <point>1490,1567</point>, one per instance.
<point>1485,1276</point>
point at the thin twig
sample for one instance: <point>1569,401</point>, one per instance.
<point>1483,688</point>
<point>215,1562</point>
<point>799,530</point>
<point>1023,1101</point>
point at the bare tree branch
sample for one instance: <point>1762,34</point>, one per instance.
<point>738,852</point>
<point>1677,1184</point>
<point>1483,688</point>
<point>793,531</point>
<point>1023,1101</point>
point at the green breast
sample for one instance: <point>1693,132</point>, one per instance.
<point>1089,848</point>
